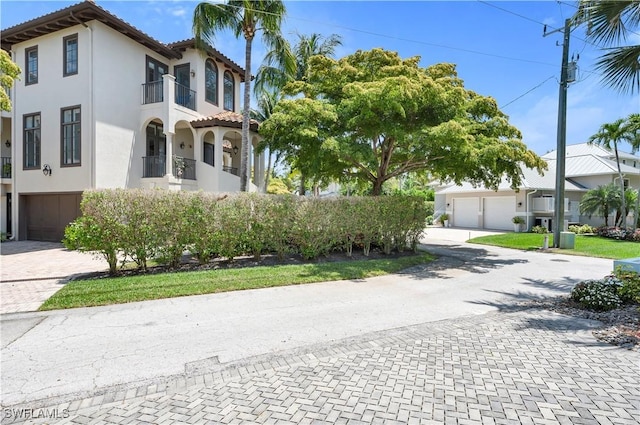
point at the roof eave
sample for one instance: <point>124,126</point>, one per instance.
<point>80,14</point>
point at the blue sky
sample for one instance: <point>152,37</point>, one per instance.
<point>497,46</point>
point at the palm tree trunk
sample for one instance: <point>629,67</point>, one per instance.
<point>268,174</point>
<point>244,158</point>
<point>623,204</point>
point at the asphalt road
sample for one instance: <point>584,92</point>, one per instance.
<point>64,354</point>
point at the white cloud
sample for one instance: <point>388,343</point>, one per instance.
<point>178,11</point>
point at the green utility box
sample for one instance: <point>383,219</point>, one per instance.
<point>567,240</point>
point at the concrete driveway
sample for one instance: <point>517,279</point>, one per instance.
<point>69,354</point>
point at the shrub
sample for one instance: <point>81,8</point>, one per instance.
<point>629,291</point>
<point>598,295</point>
<point>156,224</point>
<point>619,233</point>
<point>539,229</point>
<point>518,220</point>
<point>581,230</point>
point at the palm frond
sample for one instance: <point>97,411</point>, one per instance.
<point>210,18</point>
<point>620,68</point>
<point>610,21</point>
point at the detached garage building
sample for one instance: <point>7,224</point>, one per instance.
<point>586,167</point>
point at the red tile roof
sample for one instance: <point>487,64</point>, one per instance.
<point>224,119</point>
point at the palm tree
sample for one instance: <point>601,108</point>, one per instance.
<point>243,17</point>
<point>608,136</point>
<point>601,200</point>
<point>630,198</point>
<point>273,74</point>
<point>611,22</point>
<point>266,104</point>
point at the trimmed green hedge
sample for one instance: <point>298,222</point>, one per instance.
<point>140,225</point>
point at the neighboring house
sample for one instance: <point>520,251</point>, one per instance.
<point>586,167</point>
<point>100,104</point>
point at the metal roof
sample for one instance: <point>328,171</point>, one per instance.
<point>588,149</point>
<point>592,165</point>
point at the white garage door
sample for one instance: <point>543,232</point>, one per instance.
<point>465,212</point>
<point>498,212</point>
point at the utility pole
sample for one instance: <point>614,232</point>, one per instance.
<point>558,217</point>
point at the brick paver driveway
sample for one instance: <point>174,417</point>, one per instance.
<point>32,271</point>
<point>529,367</point>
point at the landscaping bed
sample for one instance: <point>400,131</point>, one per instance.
<point>621,326</point>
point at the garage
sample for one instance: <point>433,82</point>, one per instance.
<point>498,212</point>
<point>44,217</point>
<point>465,212</point>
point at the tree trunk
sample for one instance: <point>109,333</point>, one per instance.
<point>303,181</point>
<point>623,202</point>
<point>377,187</point>
<point>268,174</point>
<point>244,158</point>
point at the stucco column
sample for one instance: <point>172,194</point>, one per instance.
<point>169,153</point>
<point>168,94</point>
<point>198,145</point>
<point>217,149</point>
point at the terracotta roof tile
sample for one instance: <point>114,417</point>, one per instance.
<point>224,119</point>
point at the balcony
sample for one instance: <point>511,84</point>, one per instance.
<point>153,166</point>
<point>232,170</point>
<point>154,93</point>
<point>184,168</point>
<point>546,204</point>
<point>6,167</point>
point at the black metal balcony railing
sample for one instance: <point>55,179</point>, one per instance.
<point>185,97</point>
<point>152,92</point>
<point>153,166</point>
<point>232,170</point>
<point>6,167</point>
<point>184,168</point>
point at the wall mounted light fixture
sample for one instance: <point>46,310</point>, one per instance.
<point>181,145</point>
<point>7,143</point>
<point>46,170</point>
<point>235,150</point>
<point>193,73</point>
<point>519,204</point>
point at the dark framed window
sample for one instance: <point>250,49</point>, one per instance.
<point>31,65</point>
<point>31,141</point>
<point>155,70</point>
<point>211,82</point>
<point>208,153</point>
<point>70,136</point>
<point>228,91</point>
<point>70,53</point>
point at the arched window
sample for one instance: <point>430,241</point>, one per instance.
<point>211,82</point>
<point>228,91</point>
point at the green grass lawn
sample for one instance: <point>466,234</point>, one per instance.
<point>590,246</point>
<point>117,290</point>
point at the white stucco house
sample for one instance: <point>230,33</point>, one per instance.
<point>586,167</point>
<point>100,104</point>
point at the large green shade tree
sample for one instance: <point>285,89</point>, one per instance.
<point>373,116</point>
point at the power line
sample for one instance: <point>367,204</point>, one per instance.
<point>528,91</point>
<point>409,40</point>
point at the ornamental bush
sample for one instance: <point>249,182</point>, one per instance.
<point>619,233</point>
<point>140,225</point>
<point>598,295</point>
<point>629,291</point>
<point>581,230</point>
